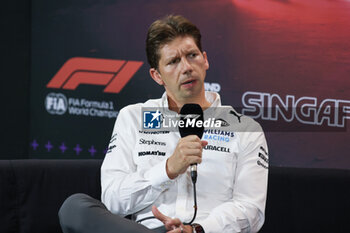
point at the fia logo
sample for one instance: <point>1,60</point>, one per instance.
<point>56,103</point>
<point>152,119</point>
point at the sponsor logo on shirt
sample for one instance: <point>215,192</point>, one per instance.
<point>113,138</point>
<point>217,148</point>
<point>151,142</point>
<point>158,153</point>
<point>111,147</point>
<point>218,135</point>
<point>223,123</point>
<point>236,115</point>
<point>263,159</point>
<point>154,132</point>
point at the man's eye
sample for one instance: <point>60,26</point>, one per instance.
<point>173,61</point>
<point>193,55</point>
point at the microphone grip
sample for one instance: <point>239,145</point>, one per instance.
<point>194,172</point>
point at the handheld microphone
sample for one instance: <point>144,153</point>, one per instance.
<point>191,114</point>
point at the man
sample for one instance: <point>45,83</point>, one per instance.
<point>145,173</point>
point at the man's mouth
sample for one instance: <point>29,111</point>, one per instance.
<point>189,83</point>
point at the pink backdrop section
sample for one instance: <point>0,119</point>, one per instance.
<point>298,48</point>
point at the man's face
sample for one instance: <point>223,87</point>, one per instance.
<point>182,69</point>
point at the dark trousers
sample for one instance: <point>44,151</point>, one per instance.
<point>81,213</point>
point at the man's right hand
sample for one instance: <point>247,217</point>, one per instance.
<point>188,151</point>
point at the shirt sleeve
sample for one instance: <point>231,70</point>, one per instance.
<point>126,189</point>
<point>246,211</point>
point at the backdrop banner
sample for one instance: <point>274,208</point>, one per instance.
<point>284,63</point>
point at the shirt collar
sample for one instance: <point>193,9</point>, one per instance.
<point>212,97</point>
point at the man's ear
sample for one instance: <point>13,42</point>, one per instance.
<point>156,76</point>
<point>206,60</point>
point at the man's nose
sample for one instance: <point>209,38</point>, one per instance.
<point>186,66</point>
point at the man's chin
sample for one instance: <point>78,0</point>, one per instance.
<point>192,93</point>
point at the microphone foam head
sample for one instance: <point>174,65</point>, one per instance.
<point>192,115</point>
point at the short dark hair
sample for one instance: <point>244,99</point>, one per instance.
<point>165,30</point>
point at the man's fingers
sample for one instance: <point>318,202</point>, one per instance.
<point>174,225</point>
<point>194,159</point>
<point>193,152</point>
<point>159,215</point>
<point>175,222</point>
<point>169,223</point>
<point>192,138</point>
<point>195,143</point>
<point>188,151</point>
<point>192,145</point>
<point>177,230</point>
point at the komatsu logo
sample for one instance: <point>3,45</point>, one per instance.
<point>306,110</point>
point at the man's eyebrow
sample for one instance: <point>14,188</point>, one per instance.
<point>171,57</point>
<point>168,58</point>
<point>193,50</point>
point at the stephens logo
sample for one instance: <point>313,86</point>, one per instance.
<point>56,103</point>
<point>151,142</point>
<point>114,74</point>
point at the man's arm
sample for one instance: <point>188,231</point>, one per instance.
<point>124,189</point>
<point>245,212</point>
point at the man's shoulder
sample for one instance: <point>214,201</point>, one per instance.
<point>239,122</point>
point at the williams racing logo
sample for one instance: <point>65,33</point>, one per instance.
<point>218,135</point>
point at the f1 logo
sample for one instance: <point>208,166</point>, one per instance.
<point>114,74</point>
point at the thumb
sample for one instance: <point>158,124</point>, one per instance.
<point>158,214</point>
<point>204,143</point>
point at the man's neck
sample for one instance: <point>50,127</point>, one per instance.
<point>176,105</point>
